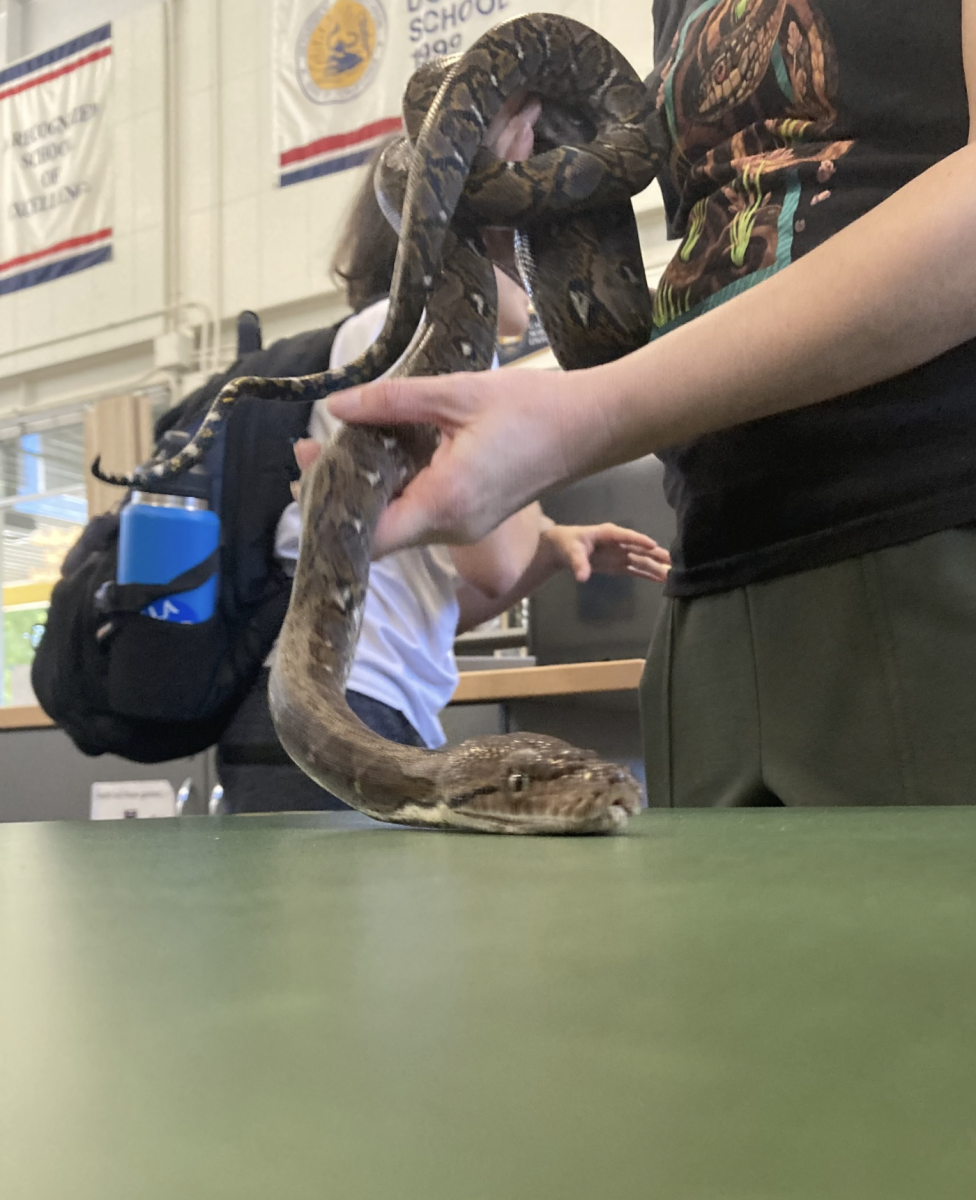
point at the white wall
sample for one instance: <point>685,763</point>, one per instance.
<point>214,231</point>
<point>47,23</point>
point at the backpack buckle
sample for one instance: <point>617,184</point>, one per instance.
<point>105,597</point>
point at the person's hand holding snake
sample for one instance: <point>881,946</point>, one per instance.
<point>476,450</point>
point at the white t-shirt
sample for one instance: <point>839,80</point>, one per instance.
<point>405,653</point>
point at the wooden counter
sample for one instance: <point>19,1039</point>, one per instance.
<point>29,716</point>
<point>522,683</point>
<point>474,687</point>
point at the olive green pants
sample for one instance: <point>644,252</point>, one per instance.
<point>850,684</point>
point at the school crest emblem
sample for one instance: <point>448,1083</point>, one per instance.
<point>339,49</point>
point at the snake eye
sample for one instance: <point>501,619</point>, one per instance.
<point>517,782</point>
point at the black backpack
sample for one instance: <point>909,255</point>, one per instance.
<point>120,682</point>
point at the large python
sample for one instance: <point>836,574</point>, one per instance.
<point>521,783</point>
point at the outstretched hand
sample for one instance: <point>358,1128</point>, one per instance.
<point>607,549</point>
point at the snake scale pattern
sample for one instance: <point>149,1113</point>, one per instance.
<point>597,144</point>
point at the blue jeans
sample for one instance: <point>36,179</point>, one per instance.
<point>259,777</point>
<point>388,722</point>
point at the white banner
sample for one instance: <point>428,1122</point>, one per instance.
<point>55,183</point>
<point>341,67</point>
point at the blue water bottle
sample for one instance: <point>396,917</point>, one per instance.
<point>163,535</point>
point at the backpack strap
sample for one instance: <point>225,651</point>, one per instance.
<point>114,597</point>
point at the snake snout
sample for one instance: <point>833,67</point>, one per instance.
<point>625,793</point>
<point>537,784</point>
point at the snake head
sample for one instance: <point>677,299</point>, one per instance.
<point>529,783</point>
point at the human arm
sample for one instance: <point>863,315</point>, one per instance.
<point>889,292</point>
<point>492,566</point>
<point>582,549</point>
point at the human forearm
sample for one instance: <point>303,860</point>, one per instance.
<point>891,291</point>
<point>477,606</point>
<point>580,549</point>
<point>494,564</point>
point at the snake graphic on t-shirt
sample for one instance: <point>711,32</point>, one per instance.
<point>748,91</point>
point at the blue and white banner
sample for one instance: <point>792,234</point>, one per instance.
<point>341,66</point>
<point>55,162</point>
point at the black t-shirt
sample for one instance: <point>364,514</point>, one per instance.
<point>788,120</point>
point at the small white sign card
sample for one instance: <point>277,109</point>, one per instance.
<point>132,798</point>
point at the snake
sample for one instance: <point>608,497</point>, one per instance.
<point>571,200</point>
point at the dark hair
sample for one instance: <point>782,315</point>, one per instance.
<point>366,251</point>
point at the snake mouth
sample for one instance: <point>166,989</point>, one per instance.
<point>612,820</point>
<point>621,811</point>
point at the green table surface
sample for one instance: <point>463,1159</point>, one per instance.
<point>718,1005</point>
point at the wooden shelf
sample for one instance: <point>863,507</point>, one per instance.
<point>511,683</point>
